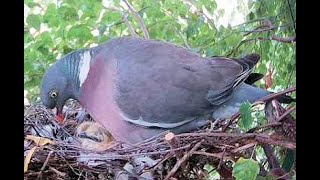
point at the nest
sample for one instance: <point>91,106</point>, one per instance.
<point>165,156</point>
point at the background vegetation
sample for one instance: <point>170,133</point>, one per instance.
<point>54,28</point>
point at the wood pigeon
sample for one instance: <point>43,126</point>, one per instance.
<point>138,88</point>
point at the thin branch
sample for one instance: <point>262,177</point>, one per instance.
<point>188,2</point>
<point>46,161</point>
<point>292,16</point>
<point>221,159</point>
<point>272,160</point>
<point>216,155</point>
<point>125,18</point>
<point>274,95</point>
<point>168,156</point>
<point>244,147</point>
<point>267,26</point>
<point>137,16</point>
<point>125,157</point>
<point>285,114</point>
<point>44,165</point>
<point>184,40</point>
<point>182,160</point>
<point>283,39</point>
<point>288,145</point>
<point>259,30</point>
<point>251,21</point>
<point>264,126</point>
<point>231,121</point>
<point>62,174</point>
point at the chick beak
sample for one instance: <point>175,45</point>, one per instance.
<point>59,116</point>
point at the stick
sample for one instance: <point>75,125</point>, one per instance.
<point>274,95</point>
<point>244,147</point>
<point>221,159</point>
<point>44,164</point>
<point>216,155</point>
<point>285,114</point>
<point>173,142</point>
<point>182,160</point>
<point>46,161</point>
<point>272,160</point>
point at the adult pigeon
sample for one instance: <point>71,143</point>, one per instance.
<point>138,88</point>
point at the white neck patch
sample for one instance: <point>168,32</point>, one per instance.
<point>84,66</point>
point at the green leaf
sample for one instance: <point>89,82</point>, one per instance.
<point>27,37</point>
<point>91,8</point>
<point>80,32</point>
<point>246,119</point>
<point>30,3</point>
<point>192,29</point>
<point>27,66</point>
<point>234,39</point>
<point>182,10</point>
<point>46,39</point>
<point>51,16</point>
<point>210,5</point>
<point>245,169</point>
<point>213,174</point>
<point>288,160</point>
<point>251,16</point>
<point>208,167</point>
<point>67,49</point>
<point>68,13</point>
<point>73,3</point>
<point>261,118</point>
<point>44,50</point>
<point>34,21</point>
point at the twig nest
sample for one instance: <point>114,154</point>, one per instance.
<point>136,167</point>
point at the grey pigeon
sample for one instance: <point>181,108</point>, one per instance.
<point>138,88</point>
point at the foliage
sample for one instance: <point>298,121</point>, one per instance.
<point>212,173</point>
<point>53,28</point>
<point>245,169</point>
<point>246,119</point>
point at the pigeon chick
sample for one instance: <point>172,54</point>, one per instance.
<point>93,136</point>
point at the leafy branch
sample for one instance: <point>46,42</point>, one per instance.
<point>267,26</point>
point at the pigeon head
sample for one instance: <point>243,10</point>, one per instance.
<point>61,82</point>
<point>54,88</point>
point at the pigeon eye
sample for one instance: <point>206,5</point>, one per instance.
<point>53,94</point>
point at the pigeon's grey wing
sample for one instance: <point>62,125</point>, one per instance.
<point>162,85</point>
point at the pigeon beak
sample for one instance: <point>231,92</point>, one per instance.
<point>59,116</point>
